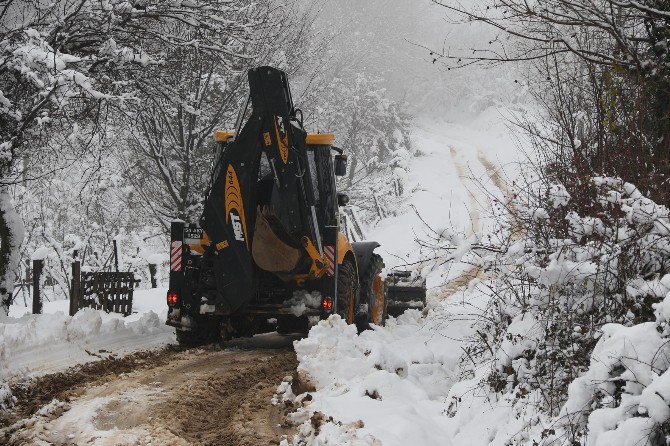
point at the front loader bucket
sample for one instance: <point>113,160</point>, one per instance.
<point>404,292</point>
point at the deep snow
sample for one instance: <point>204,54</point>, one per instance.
<point>414,382</point>
<point>450,188</point>
<point>32,345</point>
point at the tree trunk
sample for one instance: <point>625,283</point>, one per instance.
<point>11,236</point>
<point>352,170</point>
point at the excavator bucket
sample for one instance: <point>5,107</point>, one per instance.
<point>274,250</point>
<point>404,291</point>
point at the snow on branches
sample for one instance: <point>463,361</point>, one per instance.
<point>68,67</point>
<point>374,131</point>
<point>627,34</point>
<point>578,322</point>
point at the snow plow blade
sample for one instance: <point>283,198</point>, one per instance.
<point>404,292</point>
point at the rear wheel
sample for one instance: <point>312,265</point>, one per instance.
<point>191,338</point>
<point>373,294</point>
<point>292,324</point>
<point>206,331</point>
<point>347,288</point>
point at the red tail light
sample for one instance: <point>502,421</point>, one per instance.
<point>172,298</point>
<point>327,304</point>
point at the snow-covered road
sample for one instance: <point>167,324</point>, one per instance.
<point>34,345</point>
<point>392,385</point>
<point>200,396</point>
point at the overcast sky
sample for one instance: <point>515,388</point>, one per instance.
<point>386,37</point>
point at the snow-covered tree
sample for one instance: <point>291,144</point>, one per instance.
<point>71,60</point>
<point>370,126</point>
<point>169,142</point>
<point>601,74</point>
<point>77,212</point>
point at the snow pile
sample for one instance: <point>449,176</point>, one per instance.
<point>320,429</point>
<point>37,344</point>
<point>302,301</point>
<point>385,386</point>
<point>567,343</point>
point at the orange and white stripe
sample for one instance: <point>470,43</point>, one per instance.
<point>329,256</point>
<point>175,256</point>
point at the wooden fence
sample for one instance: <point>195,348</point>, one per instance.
<point>108,291</point>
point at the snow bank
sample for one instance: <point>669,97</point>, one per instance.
<point>391,382</point>
<point>32,345</point>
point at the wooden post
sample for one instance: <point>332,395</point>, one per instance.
<point>75,289</point>
<point>28,281</point>
<point>152,272</point>
<point>37,295</point>
<point>116,256</point>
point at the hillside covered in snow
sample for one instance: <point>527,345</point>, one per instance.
<point>514,154</point>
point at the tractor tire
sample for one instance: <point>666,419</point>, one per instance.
<point>347,291</point>
<point>191,338</point>
<point>207,331</point>
<point>243,327</point>
<point>371,289</point>
<point>287,325</point>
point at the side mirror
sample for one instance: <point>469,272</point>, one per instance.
<point>340,165</point>
<point>342,199</point>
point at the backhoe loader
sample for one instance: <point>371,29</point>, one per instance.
<point>267,253</point>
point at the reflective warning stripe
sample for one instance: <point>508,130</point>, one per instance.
<point>175,256</point>
<point>329,254</point>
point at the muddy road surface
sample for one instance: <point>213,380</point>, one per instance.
<point>205,396</point>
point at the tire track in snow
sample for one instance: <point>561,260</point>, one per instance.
<point>496,177</point>
<point>473,271</point>
<point>192,397</point>
<point>467,184</point>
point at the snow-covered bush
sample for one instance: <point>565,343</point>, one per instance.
<point>67,68</point>
<point>374,131</point>
<point>577,328</point>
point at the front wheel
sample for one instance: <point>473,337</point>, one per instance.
<point>347,290</point>
<point>373,295</point>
